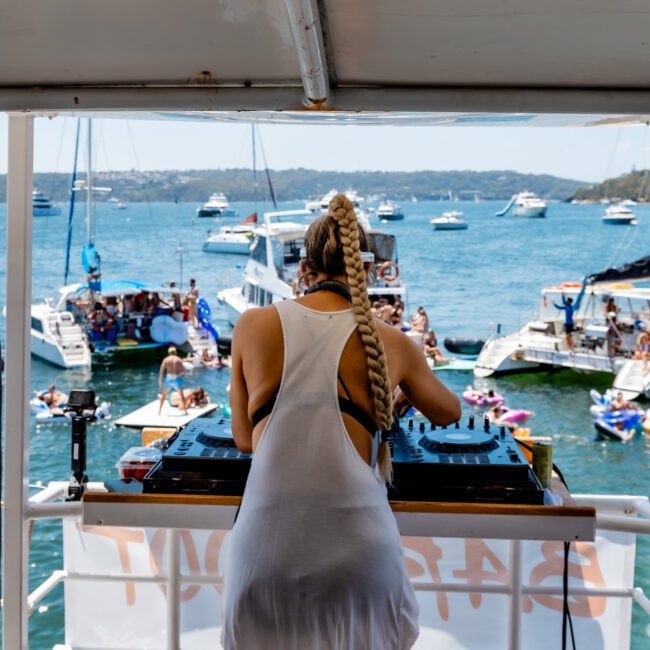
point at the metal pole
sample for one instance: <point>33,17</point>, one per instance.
<point>514,630</point>
<point>173,596</point>
<point>16,450</point>
<point>90,237</point>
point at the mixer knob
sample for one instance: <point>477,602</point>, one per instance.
<point>433,427</point>
<point>411,423</point>
<point>421,427</point>
<point>457,425</point>
<point>486,423</point>
<point>502,432</point>
<point>444,426</point>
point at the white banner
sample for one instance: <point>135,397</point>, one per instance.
<point>132,615</point>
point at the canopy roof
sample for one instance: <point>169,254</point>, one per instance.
<point>116,288</point>
<point>424,56</point>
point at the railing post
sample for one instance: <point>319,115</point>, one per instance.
<point>15,545</point>
<point>514,629</point>
<point>173,595</point>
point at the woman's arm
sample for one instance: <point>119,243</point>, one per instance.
<point>420,385</point>
<point>242,427</point>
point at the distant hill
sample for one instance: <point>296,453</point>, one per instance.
<point>635,185</point>
<point>297,184</point>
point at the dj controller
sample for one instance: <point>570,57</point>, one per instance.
<point>476,462</point>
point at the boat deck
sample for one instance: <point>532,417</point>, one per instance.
<point>147,416</point>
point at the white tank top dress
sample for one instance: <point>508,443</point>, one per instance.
<point>314,560</point>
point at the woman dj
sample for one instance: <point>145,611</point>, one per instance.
<point>314,559</point>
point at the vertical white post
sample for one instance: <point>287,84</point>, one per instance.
<point>15,544</point>
<point>173,594</point>
<point>514,630</point>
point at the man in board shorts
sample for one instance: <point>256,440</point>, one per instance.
<point>170,378</point>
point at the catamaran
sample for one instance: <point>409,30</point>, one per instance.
<point>611,316</point>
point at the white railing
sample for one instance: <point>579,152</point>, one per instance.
<point>626,514</point>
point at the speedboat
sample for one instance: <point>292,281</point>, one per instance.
<point>271,273</point>
<point>525,204</point>
<point>449,221</point>
<point>234,240</point>
<point>620,215</point>
<point>321,205</point>
<point>42,206</point>
<point>216,206</point>
<point>390,211</point>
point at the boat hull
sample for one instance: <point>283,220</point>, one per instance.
<point>391,217</point>
<point>530,212</point>
<point>619,221</point>
<point>208,212</point>
<point>450,226</point>
<point>52,211</point>
<point>230,248</point>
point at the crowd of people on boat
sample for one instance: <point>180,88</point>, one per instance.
<point>130,316</point>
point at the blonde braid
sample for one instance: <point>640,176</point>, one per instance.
<point>341,209</point>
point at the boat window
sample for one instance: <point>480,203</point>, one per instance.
<point>37,326</point>
<point>258,250</point>
<point>382,245</point>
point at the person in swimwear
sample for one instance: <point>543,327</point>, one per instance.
<point>314,560</point>
<point>170,378</point>
<point>191,396</point>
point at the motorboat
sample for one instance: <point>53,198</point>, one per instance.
<point>321,205</point>
<point>619,215</point>
<point>42,206</point>
<point>116,204</point>
<point>449,221</point>
<point>69,331</point>
<point>390,211</point>
<point>233,240</point>
<point>216,206</point>
<point>271,273</point>
<point>599,343</point>
<point>525,204</point>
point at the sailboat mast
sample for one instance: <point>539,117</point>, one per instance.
<point>254,165</point>
<point>73,182</point>
<point>89,188</point>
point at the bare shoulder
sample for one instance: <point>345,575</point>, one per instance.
<point>393,337</point>
<point>261,322</point>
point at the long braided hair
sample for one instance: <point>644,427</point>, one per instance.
<point>334,243</point>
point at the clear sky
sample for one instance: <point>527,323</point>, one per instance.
<point>589,154</point>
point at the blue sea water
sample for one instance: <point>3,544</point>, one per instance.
<point>467,280</point>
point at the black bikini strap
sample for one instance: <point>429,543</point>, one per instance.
<point>346,405</point>
<point>345,388</point>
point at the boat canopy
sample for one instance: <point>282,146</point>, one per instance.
<point>412,62</point>
<point>638,270</point>
<point>116,288</point>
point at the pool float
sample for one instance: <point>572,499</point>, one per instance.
<point>165,329</point>
<point>482,399</point>
<point>509,416</point>
<point>608,429</point>
<point>469,347</point>
<point>43,413</point>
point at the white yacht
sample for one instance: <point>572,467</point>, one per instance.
<point>42,206</point>
<point>272,270</point>
<point>321,205</point>
<point>233,240</point>
<point>216,206</point>
<point>525,204</point>
<point>619,215</point>
<point>599,343</point>
<point>390,211</point>
<point>449,221</point>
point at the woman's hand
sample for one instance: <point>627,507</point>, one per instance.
<point>401,403</point>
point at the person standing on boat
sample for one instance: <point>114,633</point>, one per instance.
<point>170,378</point>
<point>569,308</point>
<point>192,298</point>
<point>314,559</point>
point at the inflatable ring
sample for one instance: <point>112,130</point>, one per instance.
<point>389,271</point>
